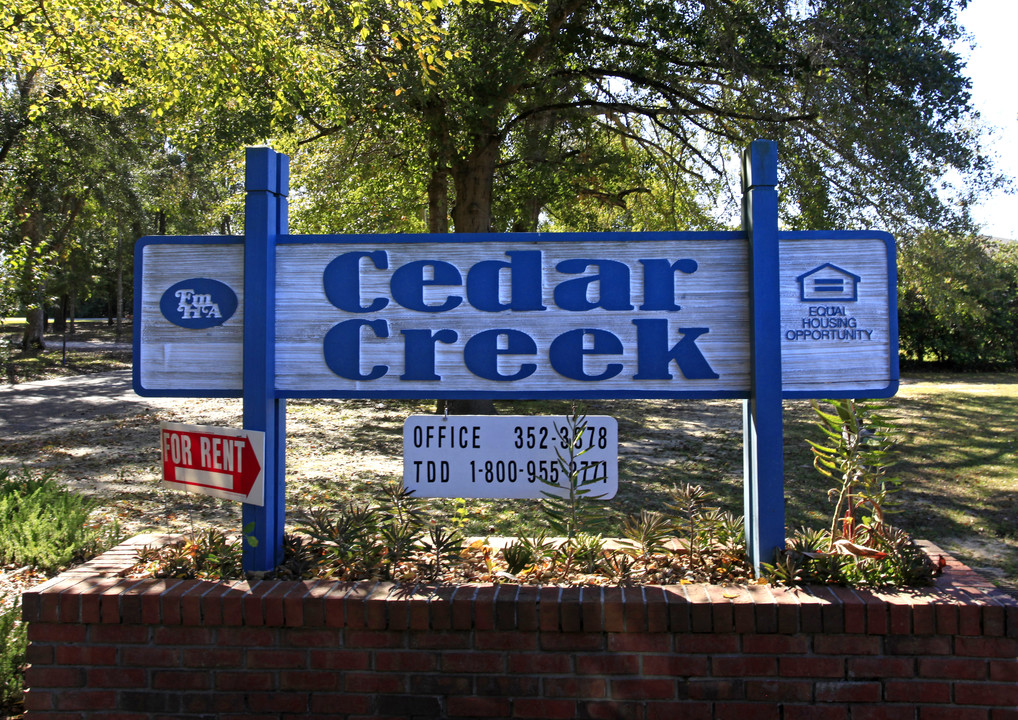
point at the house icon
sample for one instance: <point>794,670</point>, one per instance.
<point>828,282</point>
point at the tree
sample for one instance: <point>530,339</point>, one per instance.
<point>501,114</point>
<point>867,98</point>
<point>958,300</point>
<point>80,184</point>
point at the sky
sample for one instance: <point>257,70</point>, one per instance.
<point>991,67</point>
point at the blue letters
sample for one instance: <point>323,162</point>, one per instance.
<point>408,283</point>
<point>481,353</point>
<point>561,349</point>
<point>342,280</point>
<point>654,355</point>
<point>613,286</point>
<point>567,351</point>
<point>342,349</point>
<point>419,351</point>
<point>659,282</point>
<point>524,285</point>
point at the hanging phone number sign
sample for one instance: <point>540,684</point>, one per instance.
<point>485,456</point>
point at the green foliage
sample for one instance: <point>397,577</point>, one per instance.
<point>894,560</point>
<point>46,526</point>
<point>861,547</point>
<point>568,507</point>
<point>501,111</point>
<point>343,539</point>
<point>585,551</point>
<point>958,300</point>
<point>648,534</point>
<point>205,554</point>
<point>13,645</point>
<point>357,540</point>
<point>518,556</point>
<point>856,455</point>
<point>703,527</point>
<point>443,546</point>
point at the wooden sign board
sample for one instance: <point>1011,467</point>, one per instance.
<point>605,315</point>
<point>757,314</point>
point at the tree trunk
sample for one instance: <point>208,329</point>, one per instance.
<point>438,183</point>
<point>36,326</point>
<point>120,290</point>
<point>535,152</point>
<point>473,178</point>
<point>60,321</point>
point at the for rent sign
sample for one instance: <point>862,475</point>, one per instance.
<point>222,462</point>
<point>575,315</point>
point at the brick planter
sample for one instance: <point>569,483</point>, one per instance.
<point>106,647</point>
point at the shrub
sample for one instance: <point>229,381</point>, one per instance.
<point>13,643</point>
<point>47,526</point>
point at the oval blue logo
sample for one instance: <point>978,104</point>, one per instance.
<point>198,303</point>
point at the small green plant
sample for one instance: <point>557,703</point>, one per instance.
<point>518,557</point>
<point>443,546</point>
<point>399,538</point>
<point>460,513</point>
<point>688,503</point>
<point>856,455</point>
<point>206,553</point>
<point>342,539</point>
<point>567,507</point>
<point>586,551</point>
<point>13,645</point>
<point>648,535</point>
<point>527,552</point>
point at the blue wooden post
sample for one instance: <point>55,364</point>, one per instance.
<point>265,219</point>
<point>763,463</point>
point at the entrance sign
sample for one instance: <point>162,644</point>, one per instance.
<point>593,315</point>
<point>221,462</point>
<point>756,314</point>
<point>501,456</point>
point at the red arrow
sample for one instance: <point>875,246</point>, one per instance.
<point>251,468</point>
<point>222,462</point>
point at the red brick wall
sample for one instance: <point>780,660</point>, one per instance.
<point>112,648</point>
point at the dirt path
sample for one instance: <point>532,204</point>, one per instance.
<point>46,405</point>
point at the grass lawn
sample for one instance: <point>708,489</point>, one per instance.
<point>960,464</point>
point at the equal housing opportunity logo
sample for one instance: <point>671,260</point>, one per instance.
<point>828,289</point>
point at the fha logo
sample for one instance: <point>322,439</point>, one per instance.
<point>198,303</point>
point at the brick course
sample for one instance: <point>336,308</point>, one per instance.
<point>106,647</point>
